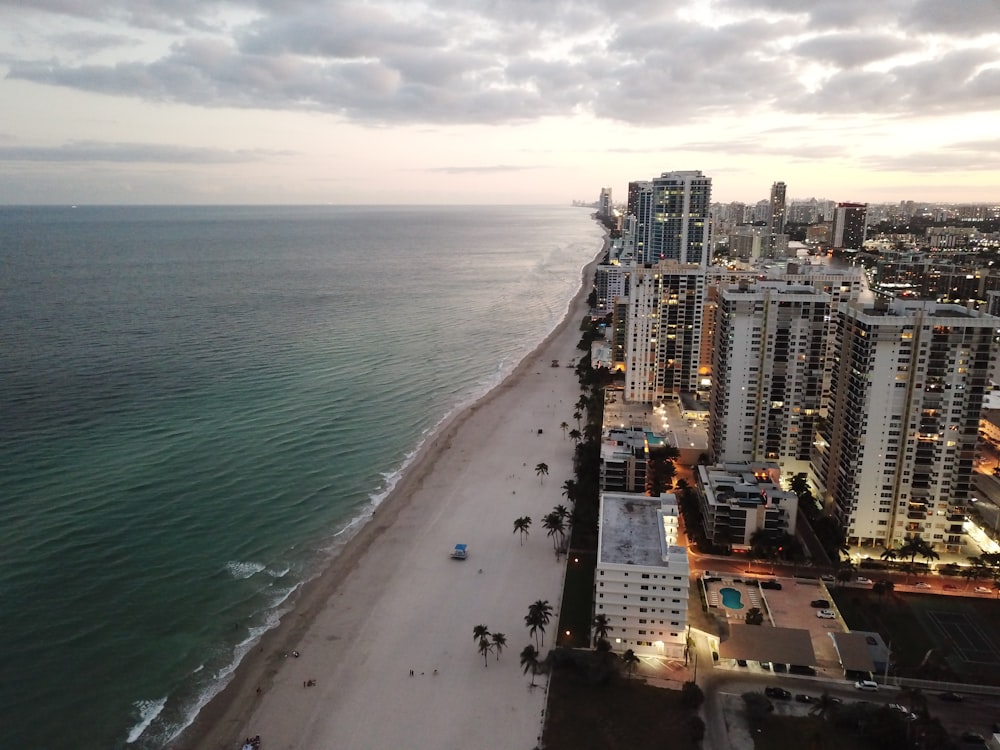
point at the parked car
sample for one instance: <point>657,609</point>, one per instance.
<point>922,585</point>
<point>983,590</point>
<point>799,669</point>
<point>950,587</point>
<point>971,738</point>
<point>779,667</point>
<point>907,714</point>
<point>826,614</point>
<point>803,698</point>
<point>820,603</point>
<point>862,579</point>
<point>741,662</point>
<point>827,578</point>
<point>776,692</point>
<point>866,685</point>
<point>772,584</point>
<point>951,697</point>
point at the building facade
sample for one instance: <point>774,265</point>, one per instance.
<point>768,372</point>
<point>663,331</point>
<point>895,454</point>
<point>641,580</point>
<point>849,225</point>
<point>673,215</point>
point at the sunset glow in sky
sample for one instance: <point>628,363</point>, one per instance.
<point>495,101</point>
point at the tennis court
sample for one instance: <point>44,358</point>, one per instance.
<point>967,641</point>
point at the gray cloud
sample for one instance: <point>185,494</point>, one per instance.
<point>482,61</point>
<point>94,151</point>
<point>978,155</point>
<point>492,169</point>
<point>851,50</point>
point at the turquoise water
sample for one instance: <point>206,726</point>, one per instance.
<point>198,404</point>
<point>731,598</point>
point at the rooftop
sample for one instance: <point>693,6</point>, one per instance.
<point>639,530</point>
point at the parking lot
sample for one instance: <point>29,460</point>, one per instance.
<point>787,607</point>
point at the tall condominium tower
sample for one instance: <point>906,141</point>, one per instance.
<point>663,331</point>
<point>777,240</point>
<point>849,225</point>
<point>674,214</point>
<point>604,205</point>
<point>768,372</point>
<point>895,453</point>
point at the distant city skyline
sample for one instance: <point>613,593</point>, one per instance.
<point>482,102</point>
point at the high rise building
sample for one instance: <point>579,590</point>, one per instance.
<point>778,239</point>
<point>674,214</point>
<point>663,331</point>
<point>768,372</point>
<point>896,451</point>
<point>604,205</point>
<point>849,226</point>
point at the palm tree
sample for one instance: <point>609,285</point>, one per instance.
<point>601,628</point>
<point>539,615</point>
<point>578,415</point>
<point>929,554</point>
<point>914,699</point>
<point>575,435</point>
<point>569,490</point>
<point>521,525</point>
<point>754,616</point>
<point>484,649</point>
<point>631,661</point>
<point>479,632</point>
<point>889,555</point>
<point>825,706</point>
<point>556,527</point>
<point>582,403</point>
<point>529,661</point>
<point>564,426</point>
<point>542,471</point>
<point>499,641</point>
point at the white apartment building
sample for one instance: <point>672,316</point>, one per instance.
<point>895,455</point>
<point>738,499</point>
<point>663,331</point>
<point>768,372</point>
<point>641,581</point>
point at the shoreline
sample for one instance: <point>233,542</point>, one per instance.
<point>227,717</point>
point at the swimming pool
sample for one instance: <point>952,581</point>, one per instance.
<point>731,598</point>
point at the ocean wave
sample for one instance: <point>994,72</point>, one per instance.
<point>241,570</point>
<point>148,711</point>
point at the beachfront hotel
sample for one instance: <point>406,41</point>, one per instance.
<point>895,453</point>
<point>641,580</point>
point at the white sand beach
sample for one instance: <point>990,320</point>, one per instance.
<point>394,600</point>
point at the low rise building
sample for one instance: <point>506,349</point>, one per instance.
<point>737,499</point>
<point>624,455</point>
<point>641,580</point>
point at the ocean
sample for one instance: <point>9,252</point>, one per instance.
<point>197,405</point>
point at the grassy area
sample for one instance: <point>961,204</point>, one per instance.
<point>577,600</point>
<point>919,650</point>
<point>620,715</point>
<point>812,732</point>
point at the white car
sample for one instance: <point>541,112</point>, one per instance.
<point>826,614</point>
<point>983,590</point>
<point>866,685</point>
<point>862,579</point>
<point>922,585</point>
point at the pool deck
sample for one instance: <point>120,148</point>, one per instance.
<point>749,596</point>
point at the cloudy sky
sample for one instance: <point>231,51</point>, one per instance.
<point>495,101</point>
